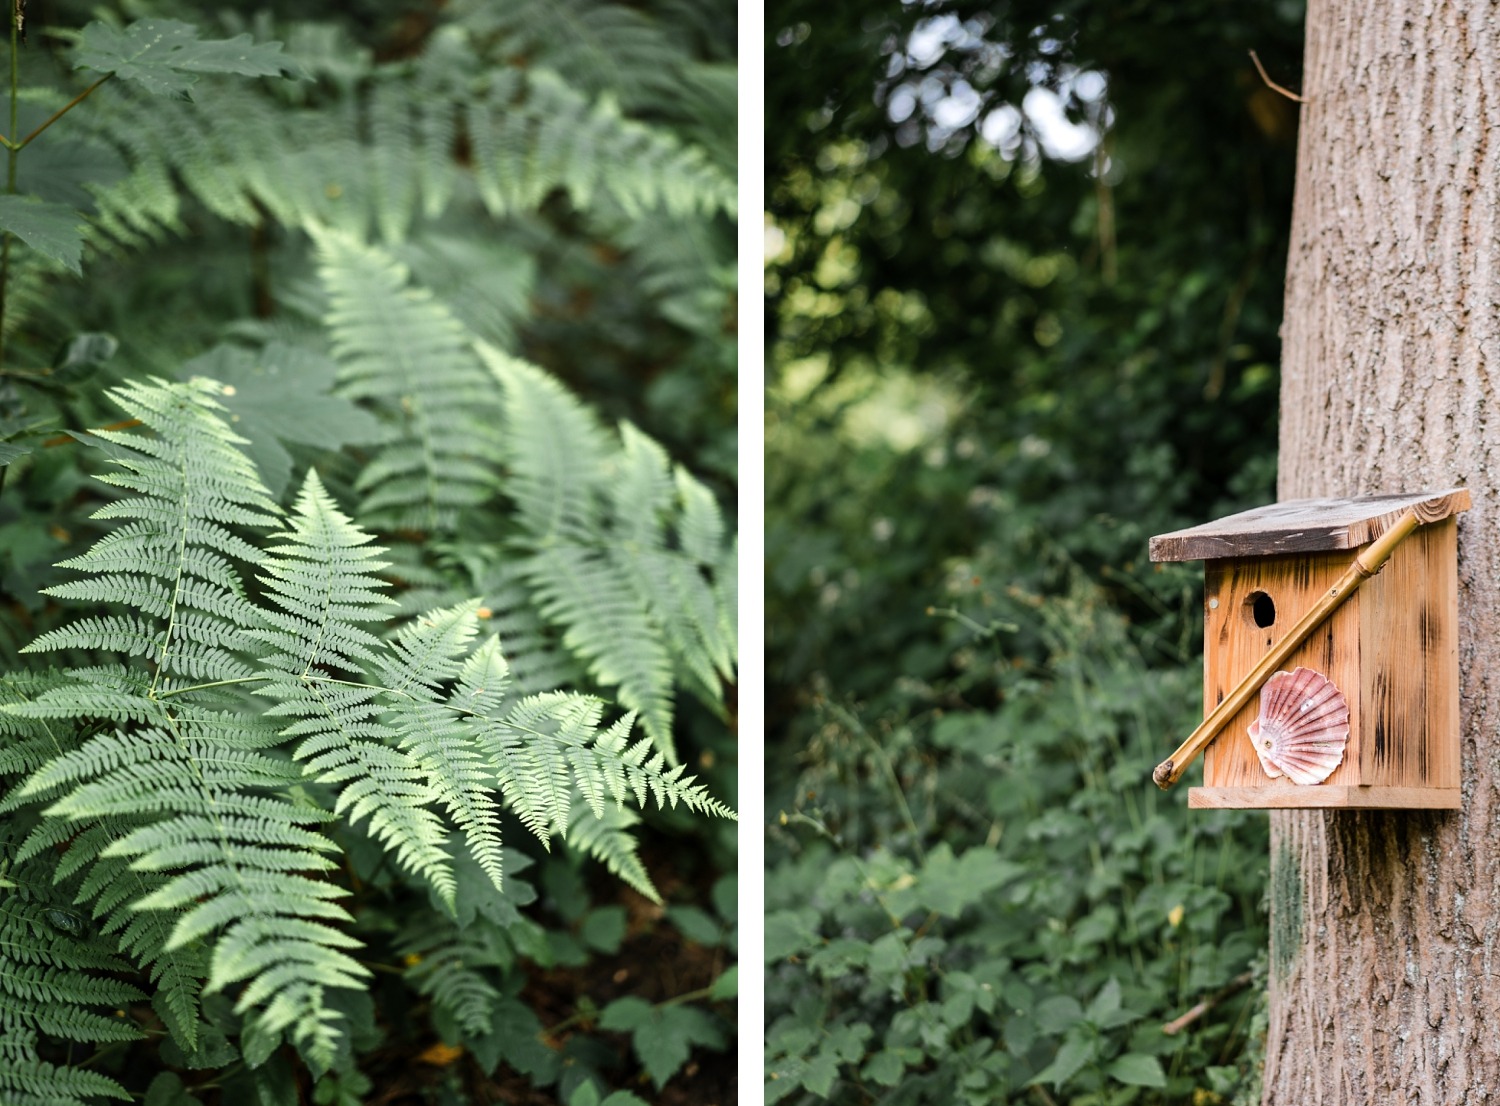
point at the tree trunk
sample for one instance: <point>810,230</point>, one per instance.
<point>1385,968</point>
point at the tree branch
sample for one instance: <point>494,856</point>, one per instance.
<point>1229,990</point>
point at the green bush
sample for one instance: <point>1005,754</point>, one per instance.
<point>975,905</point>
<point>996,368</point>
<point>343,647</point>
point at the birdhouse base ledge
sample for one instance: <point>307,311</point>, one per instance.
<point>1321,797</point>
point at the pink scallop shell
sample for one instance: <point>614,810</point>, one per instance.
<point>1303,726</point>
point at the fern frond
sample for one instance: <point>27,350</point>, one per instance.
<point>686,267</point>
<point>620,547</point>
<point>606,622</point>
<point>447,965</point>
<point>607,838</point>
<point>32,708</point>
<point>606,47</point>
<point>25,743</point>
<point>557,453</point>
<point>324,580</point>
<point>534,136</point>
<point>237,860</point>
<point>47,976</point>
<point>555,450</point>
<point>191,483</point>
<point>28,1080</point>
<point>181,808</point>
<point>402,351</point>
<point>533,653</point>
<point>426,654</point>
<point>548,751</point>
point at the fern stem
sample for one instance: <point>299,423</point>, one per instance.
<point>517,724</point>
<point>202,687</point>
<point>55,116</point>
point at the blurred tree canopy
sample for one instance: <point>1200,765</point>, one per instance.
<point>1070,218</point>
<point>1023,287</point>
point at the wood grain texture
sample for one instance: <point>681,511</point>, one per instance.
<point>1391,649</point>
<point>1234,644</point>
<point>1385,956</point>
<point>1290,796</point>
<point>1408,667</point>
<point>1303,526</point>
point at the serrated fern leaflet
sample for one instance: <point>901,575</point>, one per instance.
<point>255,701</point>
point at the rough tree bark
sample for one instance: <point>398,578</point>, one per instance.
<point>1385,984</point>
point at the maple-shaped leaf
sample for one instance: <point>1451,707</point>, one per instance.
<point>55,230</point>
<point>165,56</point>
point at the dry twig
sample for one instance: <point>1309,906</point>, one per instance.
<point>1229,990</point>
<point>1272,85</point>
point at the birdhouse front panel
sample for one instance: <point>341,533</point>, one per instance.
<point>1330,654</point>
<point>1249,603</point>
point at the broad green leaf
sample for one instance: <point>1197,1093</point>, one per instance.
<point>586,1094</point>
<point>1138,1070</point>
<point>604,928</point>
<point>696,925</point>
<point>83,355</point>
<point>783,1082</point>
<point>726,897</point>
<point>167,1089</point>
<point>1106,1002</point>
<point>1069,1061</point>
<point>839,956</point>
<point>662,1036</point>
<point>283,394</point>
<point>821,1071</point>
<point>53,230</point>
<point>1058,1013</point>
<point>625,1014</point>
<point>1097,926</point>
<point>727,986</point>
<point>477,894</point>
<point>10,451</point>
<point>885,1067</point>
<point>165,56</point>
<point>947,885</point>
<point>515,1039</point>
<point>789,932</point>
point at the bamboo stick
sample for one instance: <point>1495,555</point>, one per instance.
<point>1365,565</point>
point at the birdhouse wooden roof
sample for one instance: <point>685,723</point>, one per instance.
<point>1304,526</point>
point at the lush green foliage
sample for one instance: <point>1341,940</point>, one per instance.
<point>1022,293</point>
<point>309,737</point>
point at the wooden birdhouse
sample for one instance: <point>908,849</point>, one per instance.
<point>1330,669</point>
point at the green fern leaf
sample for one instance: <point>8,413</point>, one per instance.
<point>607,47</point>
<point>323,579</point>
<point>543,134</point>
<point>607,838</point>
<point>28,1080</point>
<point>622,549</point>
<point>402,351</point>
<point>47,980</point>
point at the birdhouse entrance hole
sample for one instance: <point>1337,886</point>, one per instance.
<point>1262,609</point>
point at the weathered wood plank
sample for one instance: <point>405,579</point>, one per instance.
<point>1235,643</point>
<point>1322,796</point>
<point>1304,526</point>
